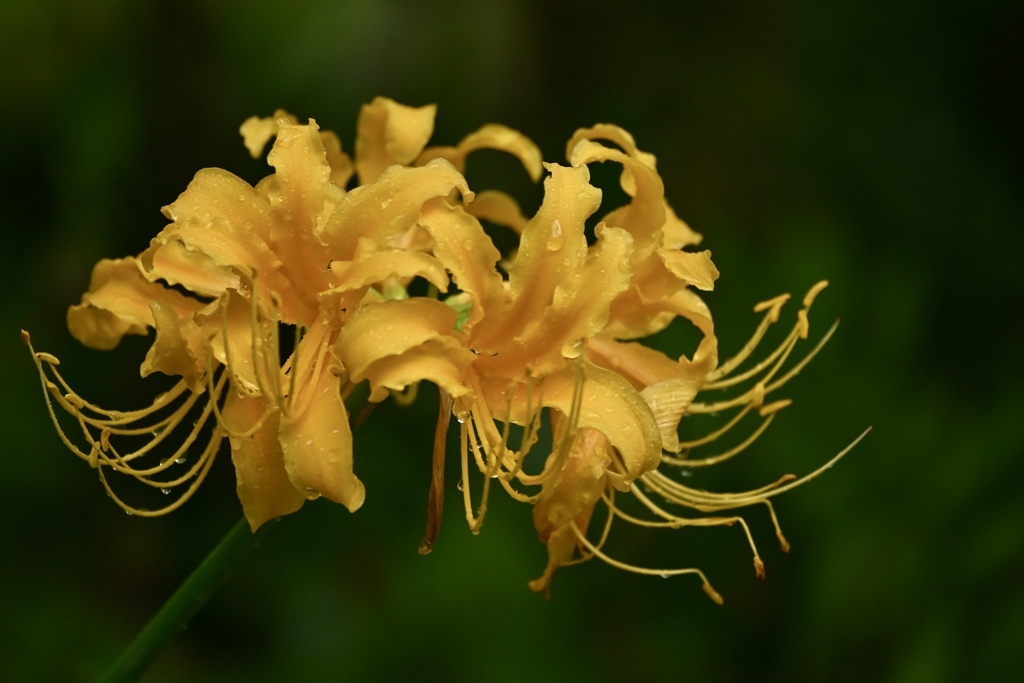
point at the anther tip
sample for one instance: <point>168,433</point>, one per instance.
<point>759,567</point>
<point>713,594</point>
<point>26,338</point>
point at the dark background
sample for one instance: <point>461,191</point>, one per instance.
<point>874,144</point>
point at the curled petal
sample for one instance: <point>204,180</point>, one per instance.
<point>498,207</point>
<point>117,304</point>
<point>491,136</point>
<point>388,208</point>
<point>579,309</point>
<point>340,163</point>
<point>317,442</point>
<point>640,365</point>
<point>576,487</point>
<point>262,482</point>
<point>461,244</point>
<point>552,247</point>
<point>374,264</point>
<point>389,133</point>
<point>561,543</point>
<point>693,268</point>
<point>227,246</point>
<point>609,405</point>
<point>669,400</point>
<point>676,234</point>
<point>396,343</point>
<point>235,342</point>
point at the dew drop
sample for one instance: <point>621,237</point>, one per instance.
<point>460,485</point>
<point>165,491</point>
<point>664,575</point>
<point>181,460</point>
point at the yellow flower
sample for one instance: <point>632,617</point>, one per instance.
<point>551,337</point>
<point>296,250</point>
<point>540,359</point>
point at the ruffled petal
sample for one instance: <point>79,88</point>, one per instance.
<point>389,133</point>
<point>117,304</point>
<point>297,194</point>
<point>227,246</point>
<point>317,441</point>
<point>261,480</point>
<point>256,132</point>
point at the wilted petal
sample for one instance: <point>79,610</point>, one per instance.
<point>669,400</point>
<point>389,133</point>
<point>317,442</point>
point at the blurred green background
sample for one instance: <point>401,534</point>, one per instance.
<point>874,144</point>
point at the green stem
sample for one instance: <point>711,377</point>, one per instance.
<point>200,586</point>
<point>186,601</point>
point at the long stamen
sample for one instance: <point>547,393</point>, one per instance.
<point>665,573</point>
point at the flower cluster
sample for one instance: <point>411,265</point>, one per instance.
<point>532,352</point>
